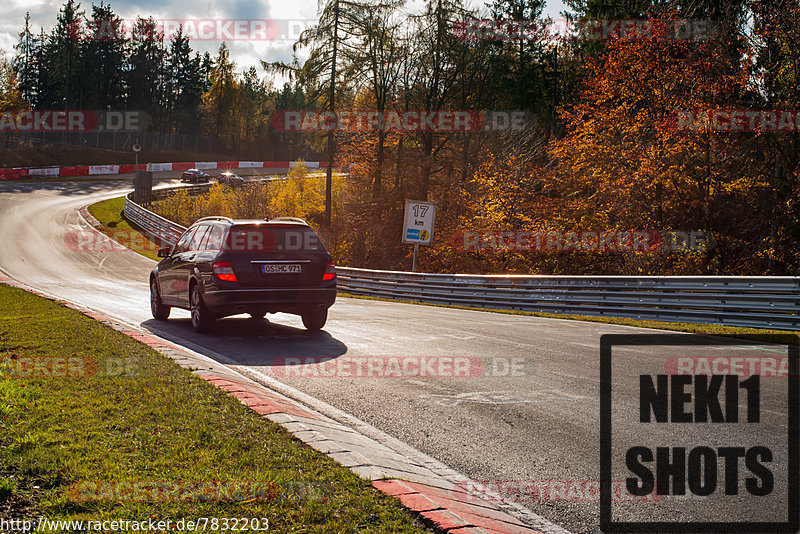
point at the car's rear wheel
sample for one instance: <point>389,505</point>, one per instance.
<point>202,319</point>
<point>315,319</point>
<point>159,309</point>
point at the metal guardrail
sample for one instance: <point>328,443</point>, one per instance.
<point>164,230</point>
<point>751,301</point>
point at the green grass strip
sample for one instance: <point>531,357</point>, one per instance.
<point>156,422</point>
<point>114,224</point>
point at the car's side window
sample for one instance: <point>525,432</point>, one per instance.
<point>204,241</point>
<point>213,238</point>
<point>197,239</point>
<point>185,240</point>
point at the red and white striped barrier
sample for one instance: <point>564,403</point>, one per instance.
<point>98,170</point>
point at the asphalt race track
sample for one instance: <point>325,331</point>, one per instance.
<point>531,415</point>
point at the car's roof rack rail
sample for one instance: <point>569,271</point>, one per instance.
<point>287,219</point>
<point>215,218</point>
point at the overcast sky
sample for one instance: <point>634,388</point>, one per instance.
<point>246,52</point>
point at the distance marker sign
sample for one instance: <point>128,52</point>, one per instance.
<point>418,222</point>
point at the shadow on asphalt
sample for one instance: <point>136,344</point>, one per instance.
<point>256,342</point>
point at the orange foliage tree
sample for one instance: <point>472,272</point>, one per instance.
<point>626,162</point>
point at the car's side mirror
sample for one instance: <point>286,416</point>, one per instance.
<point>164,252</point>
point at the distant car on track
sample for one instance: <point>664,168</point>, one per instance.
<point>222,267</point>
<point>229,178</point>
<point>194,175</point>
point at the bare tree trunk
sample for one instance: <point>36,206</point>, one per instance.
<point>427,151</point>
<point>398,164</point>
<point>465,158</point>
<point>376,185</point>
<point>332,108</point>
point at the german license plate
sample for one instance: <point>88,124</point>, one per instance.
<point>283,268</point>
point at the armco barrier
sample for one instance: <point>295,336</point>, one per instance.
<point>164,230</point>
<point>752,301</point>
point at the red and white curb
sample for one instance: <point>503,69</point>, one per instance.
<point>20,173</point>
<point>452,511</point>
<point>89,218</point>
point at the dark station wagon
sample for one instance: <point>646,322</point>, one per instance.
<point>222,267</point>
<point>194,176</point>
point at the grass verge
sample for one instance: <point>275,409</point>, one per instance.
<point>155,423</point>
<point>106,216</point>
<point>116,226</point>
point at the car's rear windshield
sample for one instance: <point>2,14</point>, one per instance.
<point>265,238</point>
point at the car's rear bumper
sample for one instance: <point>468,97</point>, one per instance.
<point>290,300</point>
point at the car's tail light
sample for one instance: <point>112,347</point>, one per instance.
<point>224,271</point>
<point>330,272</point>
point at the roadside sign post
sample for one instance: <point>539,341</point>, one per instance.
<point>136,148</point>
<point>418,225</point>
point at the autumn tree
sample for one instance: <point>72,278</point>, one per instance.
<point>624,164</point>
<point>11,98</point>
